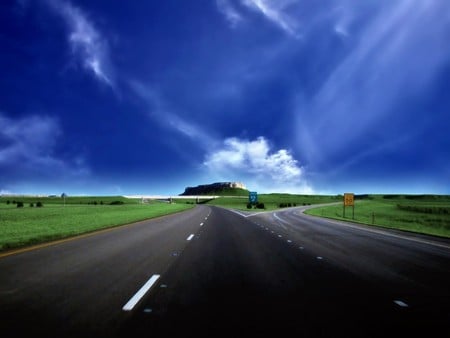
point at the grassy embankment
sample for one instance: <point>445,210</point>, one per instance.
<point>427,214</point>
<point>32,225</point>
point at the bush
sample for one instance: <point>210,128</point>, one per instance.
<point>39,204</point>
<point>249,205</point>
<point>387,197</point>
<point>260,205</point>
<point>31,205</point>
<point>116,203</point>
<point>20,204</point>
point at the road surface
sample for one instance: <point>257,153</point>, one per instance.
<point>215,272</point>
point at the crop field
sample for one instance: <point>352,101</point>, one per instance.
<point>32,224</point>
<point>427,214</point>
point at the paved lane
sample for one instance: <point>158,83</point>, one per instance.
<point>81,286</point>
<point>213,272</point>
<point>247,276</point>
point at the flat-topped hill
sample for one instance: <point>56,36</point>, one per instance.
<point>218,188</point>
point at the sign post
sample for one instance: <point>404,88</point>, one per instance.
<point>349,201</point>
<point>253,197</point>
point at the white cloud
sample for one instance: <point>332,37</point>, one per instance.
<point>86,41</point>
<point>255,163</point>
<point>231,14</point>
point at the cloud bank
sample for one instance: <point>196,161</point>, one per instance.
<point>261,167</point>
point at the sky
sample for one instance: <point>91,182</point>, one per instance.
<point>299,96</point>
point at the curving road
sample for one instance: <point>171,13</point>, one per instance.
<point>215,272</point>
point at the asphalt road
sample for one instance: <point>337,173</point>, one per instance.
<point>213,272</point>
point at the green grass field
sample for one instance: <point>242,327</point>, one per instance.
<point>273,201</point>
<point>58,219</point>
<point>427,214</point>
<point>32,225</point>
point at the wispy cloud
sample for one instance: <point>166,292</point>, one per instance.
<point>274,10</point>
<point>160,111</point>
<point>28,145</point>
<point>230,12</point>
<point>393,60</point>
<point>255,163</point>
<point>86,41</point>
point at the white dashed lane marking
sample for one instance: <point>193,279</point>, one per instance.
<point>190,237</point>
<point>400,303</point>
<point>138,295</point>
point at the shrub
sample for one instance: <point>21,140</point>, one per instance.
<point>39,204</point>
<point>260,205</point>
<point>20,204</point>
<point>31,205</point>
<point>387,197</point>
<point>116,203</point>
<point>249,205</point>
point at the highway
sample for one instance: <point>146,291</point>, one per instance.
<point>214,272</point>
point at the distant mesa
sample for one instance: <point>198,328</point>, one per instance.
<point>217,188</point>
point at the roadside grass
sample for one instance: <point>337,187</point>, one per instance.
<point>428,214</point>
<point>32,225</point>
<point>57,219</point>
<point>90,200</point>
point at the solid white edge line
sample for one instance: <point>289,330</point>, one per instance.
<point>138,295</point>
<point>190,237</point>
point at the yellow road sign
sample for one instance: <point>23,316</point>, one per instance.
<point>349,199</point>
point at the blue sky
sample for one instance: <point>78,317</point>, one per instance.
<point>148,97</point>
